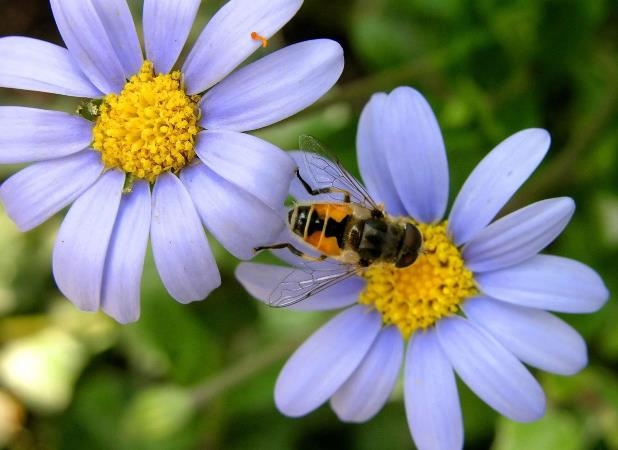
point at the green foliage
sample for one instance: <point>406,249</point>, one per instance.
<point>553,431</point>
<point>202,375</point>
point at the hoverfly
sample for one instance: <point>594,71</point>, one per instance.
<point>343,224</point>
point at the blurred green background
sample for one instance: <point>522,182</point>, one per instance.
<point>201,376</point>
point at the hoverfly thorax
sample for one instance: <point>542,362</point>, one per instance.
<point>390,241</point>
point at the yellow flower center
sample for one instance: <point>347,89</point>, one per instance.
<point>150,127</point>
<point>417,296</point>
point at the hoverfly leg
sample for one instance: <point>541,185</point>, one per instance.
<point>326,190</point>
<point>292,249</point>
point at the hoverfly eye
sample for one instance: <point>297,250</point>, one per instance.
<point>406,259</point>
<point>410,246</point>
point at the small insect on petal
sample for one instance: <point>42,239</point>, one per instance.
<point>257,37</point>
<point>350,228</point>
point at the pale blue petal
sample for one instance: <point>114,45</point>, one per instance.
<point>226,41</point>
<point>339,295</point>
<point>251,163</point>
<point>519,235</point>
<point>237,219</point>
<point>261,280</point>
<point>118,23</point>
<point>326,266</point>
<point>536,337</point>
<point>415,154</point>
<point>301,262</point>
<point>261,93</point>
<point>430,393</point>
<point>491,371</point>
<point>28,134</point>
<point>83,239</point>
<point>23,58</point>
<point>39,191</point>
<point>364,394</point>
<point>494,181</point>
<point>89,43</point>
<point>325,361</point>
<point>167,24</point>
<point>125,257</point>
<point>371,155</point>
<point>179,246</point>
<point>547,282</point>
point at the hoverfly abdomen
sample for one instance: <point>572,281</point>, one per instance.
<point>322,225</point>
<point>297,219</point>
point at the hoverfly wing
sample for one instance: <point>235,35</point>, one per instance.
<point>325,170</point>
<point>301,284</point>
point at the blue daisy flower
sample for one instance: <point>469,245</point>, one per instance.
<point>164,152</point>
<point>475,303</point>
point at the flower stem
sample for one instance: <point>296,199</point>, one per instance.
<point>245,369</point>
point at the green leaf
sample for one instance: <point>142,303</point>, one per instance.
<point>557,430</point>
<point>157,413</point>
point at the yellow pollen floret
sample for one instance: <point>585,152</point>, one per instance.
<point>150,127</point>
<point>417,296</point>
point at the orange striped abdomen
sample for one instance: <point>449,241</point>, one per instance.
<point>321,225</point>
